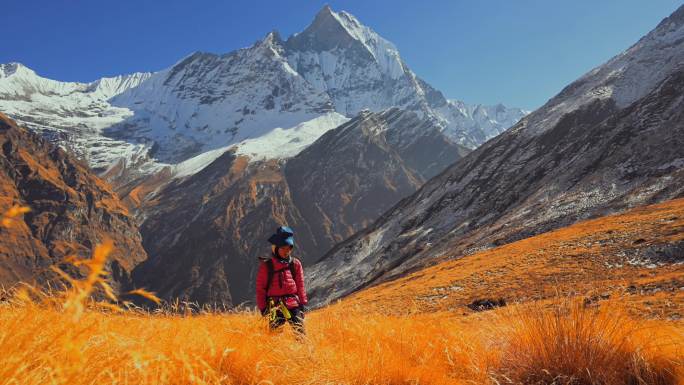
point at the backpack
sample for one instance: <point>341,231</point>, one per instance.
<point>271,271</point>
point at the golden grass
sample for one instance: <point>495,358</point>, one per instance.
<point>529,344</point>
<point>69,338</point>
<point>571,344</point>
<point>576,260</point>
<point>211,349</point>
<point>8,218</point>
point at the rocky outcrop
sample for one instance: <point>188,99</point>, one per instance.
<point>72,210</point>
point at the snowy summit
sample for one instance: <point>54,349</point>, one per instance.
<point>275,93</point>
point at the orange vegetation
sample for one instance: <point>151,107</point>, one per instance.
<point>569,344</point>
<point>573,345</point>
<point>590,258</point>
<point>7,219</point>
<point>70,339</point>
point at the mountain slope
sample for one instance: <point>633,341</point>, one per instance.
<point>605,143</point>
<point>73,114</point>
<point>635,257</point>
<point>72,211</point>
<point>353,173</point>
<point>204,232</point>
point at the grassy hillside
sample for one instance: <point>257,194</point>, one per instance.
<point>637,256</point>
<point>584,306</point>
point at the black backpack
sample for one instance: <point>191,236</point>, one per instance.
<point>271,271</point>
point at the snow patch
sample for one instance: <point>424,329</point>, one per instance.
<point>281,143</point>
<point>198,163</point>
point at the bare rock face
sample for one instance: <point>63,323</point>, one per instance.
<point>352,174</point>
<point>72,211</point>
<point>611,140</point>
<point>205,232</point>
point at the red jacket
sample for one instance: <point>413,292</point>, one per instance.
<point>282,283</point>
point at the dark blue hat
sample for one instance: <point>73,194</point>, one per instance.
<point>283,236</point>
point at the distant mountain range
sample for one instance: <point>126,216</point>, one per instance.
<point>334,69</point>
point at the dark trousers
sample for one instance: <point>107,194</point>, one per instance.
<point>297,320</point>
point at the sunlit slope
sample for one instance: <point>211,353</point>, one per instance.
<point>638,254</point>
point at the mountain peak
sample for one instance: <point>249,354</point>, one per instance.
<point>12,68</point>
<point>271,38</point>
<point>342,32</point>
<point>329,30</point>
<point>325,11</point>
<point>271,45</point>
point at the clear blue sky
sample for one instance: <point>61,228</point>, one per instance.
<point>518,52</point>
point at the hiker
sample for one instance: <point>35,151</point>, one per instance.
<point>280,292</point>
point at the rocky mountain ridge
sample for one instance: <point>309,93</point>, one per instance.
<point>609,141</point>
<point>72,210</point>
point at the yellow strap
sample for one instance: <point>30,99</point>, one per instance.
<point>273,309</point>
<point>285,310</point>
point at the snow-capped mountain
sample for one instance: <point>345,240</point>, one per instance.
<point>72,114</point>
<point>207,102</point>
<point>352,64</point>
<point>360,70</point>
<point>611,140</point>
<point>476,123</point>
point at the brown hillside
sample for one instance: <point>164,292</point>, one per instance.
<point>71,211</point>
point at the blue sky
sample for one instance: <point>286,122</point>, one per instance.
<point>519,52</point>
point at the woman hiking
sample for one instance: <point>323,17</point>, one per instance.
<point>280,291</point>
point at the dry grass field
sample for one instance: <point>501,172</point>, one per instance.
<point>578,312</point>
